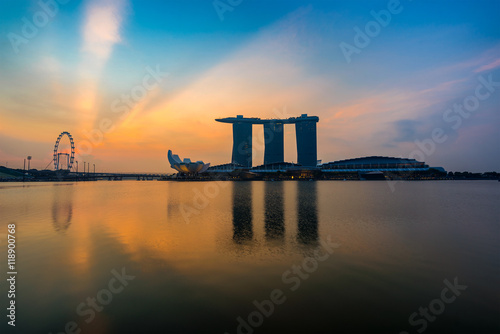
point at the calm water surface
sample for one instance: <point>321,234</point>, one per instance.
<point>201,253</point>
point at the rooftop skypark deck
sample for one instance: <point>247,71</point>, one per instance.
<point>255,120</point>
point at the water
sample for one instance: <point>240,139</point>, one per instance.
<point>201,253</point>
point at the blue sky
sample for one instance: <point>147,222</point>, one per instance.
<point>264,59</point>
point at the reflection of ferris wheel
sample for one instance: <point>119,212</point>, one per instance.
<point>57,155</point>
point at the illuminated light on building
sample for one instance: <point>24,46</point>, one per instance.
<point>186,166</point>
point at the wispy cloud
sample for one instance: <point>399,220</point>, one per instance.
<point>101,30</point>
<point>489,66</point>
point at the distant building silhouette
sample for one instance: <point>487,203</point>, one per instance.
<point>305,127</point>
<point>275,143</point>
<point>242,143</point>
<point>307,151</point>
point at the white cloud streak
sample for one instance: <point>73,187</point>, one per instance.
<point>102,25</point>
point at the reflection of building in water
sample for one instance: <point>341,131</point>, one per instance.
<point>62,207</point>
<point>307,232</point>
<point>274,214</point>
<point>242,211</point>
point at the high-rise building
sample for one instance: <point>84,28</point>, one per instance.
<point>274,139</point>
<point>305,131</point>
<point>242,143</point>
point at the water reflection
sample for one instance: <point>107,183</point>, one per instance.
<point>221,260</point>
<point>62,207</point>
<point>242,211</point>
<point>274,211</point>
<point>307,230</point>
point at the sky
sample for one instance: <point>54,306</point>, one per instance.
<point>132,79</point>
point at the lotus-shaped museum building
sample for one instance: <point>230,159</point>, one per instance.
<point>186,166</point>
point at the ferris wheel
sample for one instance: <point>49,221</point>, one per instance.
<point>57,155</point>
